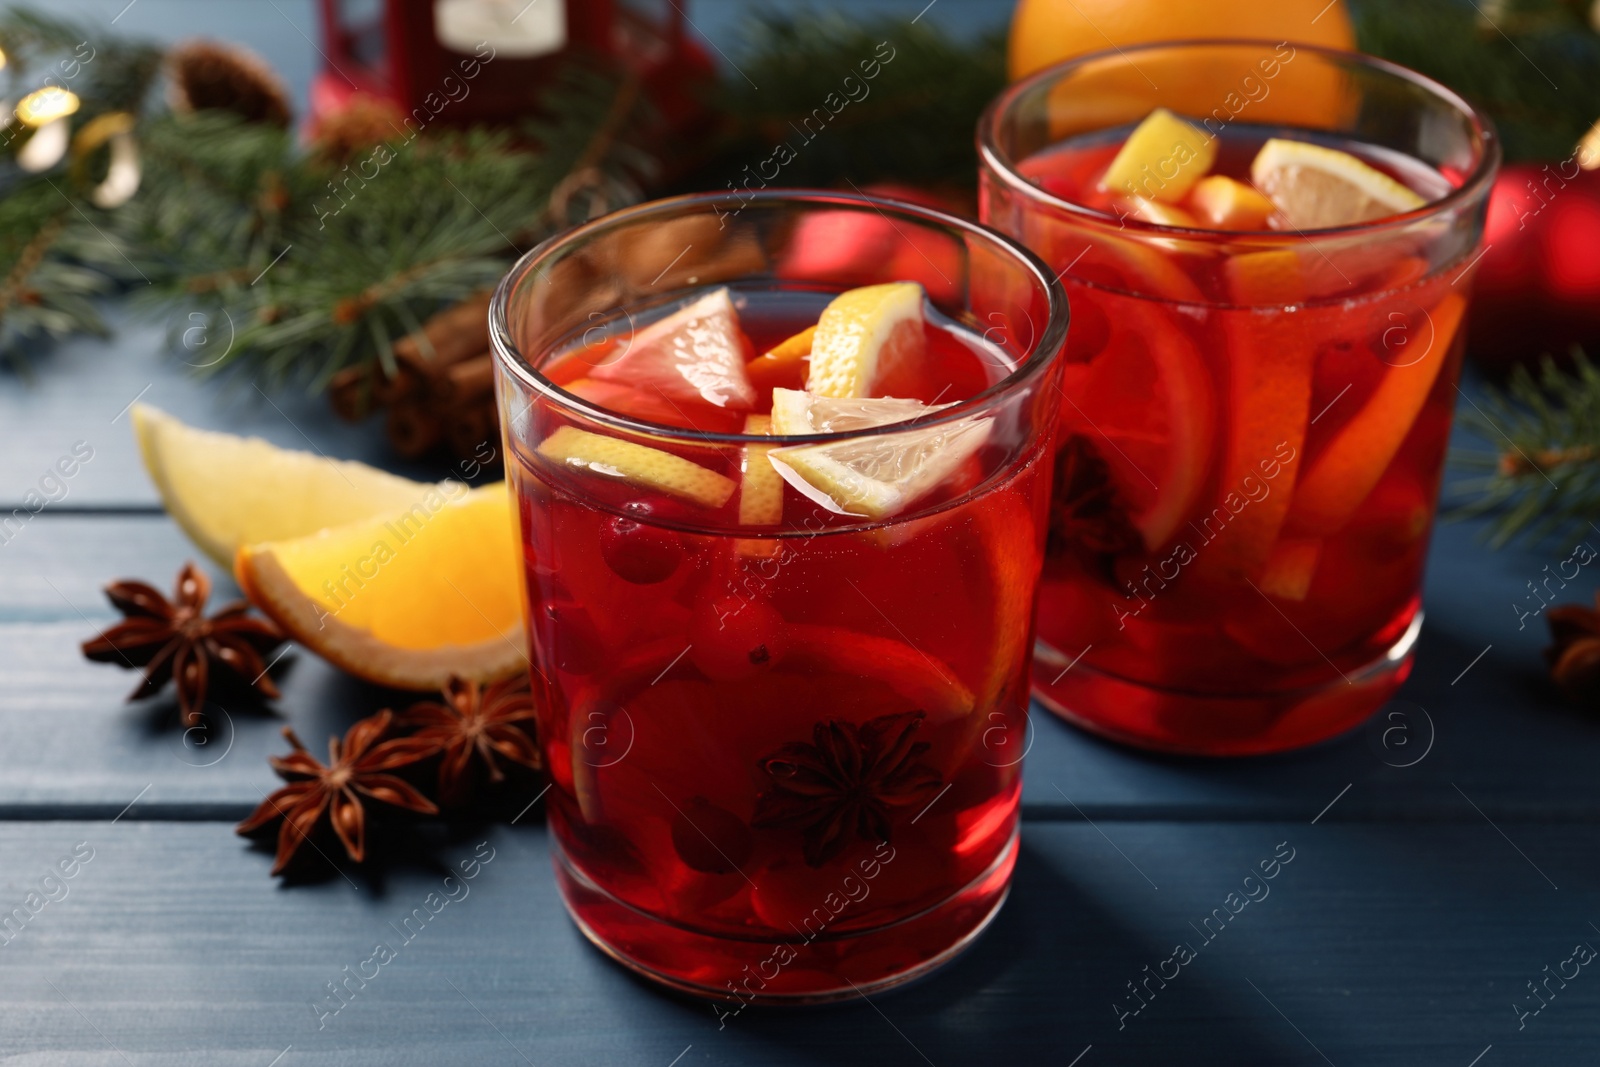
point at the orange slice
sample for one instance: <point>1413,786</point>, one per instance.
<point>1290,568</point>
<point>1351,463</point>
<point>1270,370</point>
<point>1146,401</point>
<point>1161,159</point>
<point>784,365</point>
<point>404,600</point>
<point>695,355</point>
<point>1317,187</point>
<point>1225,204</point>
<point>637,464</point>
<point>1147,210</point>
<point>862,336</point>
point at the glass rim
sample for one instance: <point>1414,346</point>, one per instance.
<point>998,161</point>
<point>1050,341</point>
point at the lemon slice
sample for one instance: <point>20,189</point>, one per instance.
<point>760,492</point>
<point>760,488</point>
<point>1161,159</point>
<point>225,491</point>
<point>637,464</point>
<point>696,354</point>
<point>406,599</point>
<point>882,475</point>
<point>795,413</point>
<point>1316,187</point>
<point>862,335</point>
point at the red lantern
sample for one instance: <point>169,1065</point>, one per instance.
<point>469,61</point>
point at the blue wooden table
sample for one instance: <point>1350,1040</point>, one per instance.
<point>1437,908</point>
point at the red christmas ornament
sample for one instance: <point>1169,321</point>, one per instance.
<point>1538,284</point>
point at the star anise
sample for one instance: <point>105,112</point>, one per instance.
<point>472,728</point>
<point>1574,657</point>
<point>1085,511</point>
<point>357,772</point>
<point>850,780</point>
<point>174,639</point>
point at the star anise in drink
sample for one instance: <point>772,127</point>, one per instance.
<point>175,639</point>
<point>473,731</point>
<point>1086,514</point>
<point>850,781</point>
<point>336,794</point>
<point>1574,657</point>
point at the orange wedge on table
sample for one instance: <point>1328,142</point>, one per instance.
<point>401,583</point>
<point>224,490</point>
<point>406,599</point>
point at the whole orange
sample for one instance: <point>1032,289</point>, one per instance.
<point>1048,31</point>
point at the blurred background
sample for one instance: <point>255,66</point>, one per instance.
<point>242,205</point>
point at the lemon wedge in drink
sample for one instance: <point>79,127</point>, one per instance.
<point>795,413</point>
<point>405,599</point>
<point>1315,187</point>
<point>879,475</point>
<point>637,464</point>
<point>862,336</point>
<point>1161,159</point>
<point>760,487</point>
<point>225,491</point>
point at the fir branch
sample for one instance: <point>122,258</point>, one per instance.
<point>1542,479</point>
<point>1529,63</point>
<point>911,122</point>
<point>323,263</point>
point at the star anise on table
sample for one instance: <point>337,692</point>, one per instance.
<point>337,793</point>
<point>473,730</point>
<point>1574,657</point>
<point>175,639</point>
<point>850,780</point>
<point>1085,511</point>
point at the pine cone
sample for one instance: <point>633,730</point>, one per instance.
<point>361,124</point>
<point>210,75</point>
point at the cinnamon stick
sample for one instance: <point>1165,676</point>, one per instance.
<point>413,430</point>
<point>452,335</point>
<point>467,382</point>
<point>403,386</point>
<point>468,427</point>
<point>350,393</point>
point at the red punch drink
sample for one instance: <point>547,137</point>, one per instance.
<point>783,506</point>
<point>1267,298</point>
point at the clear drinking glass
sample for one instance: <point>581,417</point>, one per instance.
<point>783,741</point>
<point>1254,423</point>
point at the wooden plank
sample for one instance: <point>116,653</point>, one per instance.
<point>78,396</point>
<point>1377,945</point>
<point>1496,732</point>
